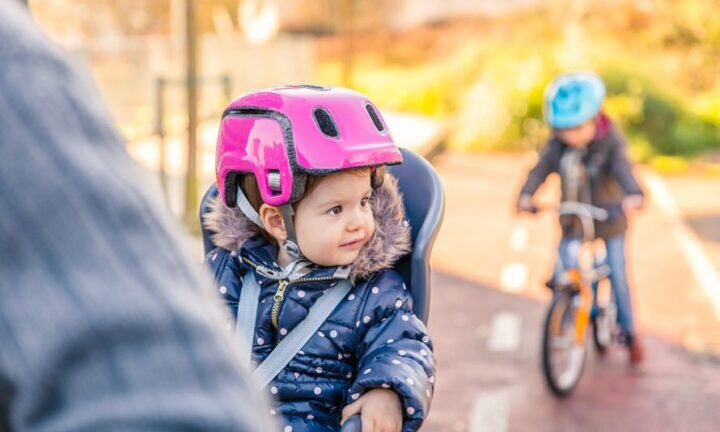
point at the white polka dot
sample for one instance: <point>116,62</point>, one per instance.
<point>375,290</point>
<point>405,317</point>
<point>398,303</point>
<point>321,334</point>
<point>333,334</point>
<point>301,352</point>
<point>301,293</point>
<point>340,356</point>
<point>386,386</point>
<point>355,396</point>
<point>273,412</point>
<point>223,289</point>
<point>260,341</point>
<point>404,287</point>
<point>406,223</point>
<point>396,361</point>
<point>283,331</point>
<point>214,256</point>
<point>366,319</point>
<point>351,297</point>
<point>390,341</point>
<point>318,369</point>
<point>349,375</point>
<point>426,339</point>
<point>423,352</point>
<point>431,379</point>
<point>273,390</point>
<point>346,355</point>
<point>310,417</point>
<point>410,381</point>
<point>317,390</point>
<point>402,352</point>
<point>357,324</point>
<point>233,253</point>
<point>287,429</point>
<point>367,371</point>
<point>297,375</point>
<point>410,410</point>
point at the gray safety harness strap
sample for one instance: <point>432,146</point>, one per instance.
<point>295,340</point>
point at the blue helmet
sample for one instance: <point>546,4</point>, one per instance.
<point>573,98</point>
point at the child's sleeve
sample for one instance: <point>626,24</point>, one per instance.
<point>394,350</point>
<point>621,168</point>
<point>546,164</point>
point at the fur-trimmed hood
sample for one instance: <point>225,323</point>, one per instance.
<point>390,241</point>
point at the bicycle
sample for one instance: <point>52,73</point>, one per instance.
<point>581,298</point>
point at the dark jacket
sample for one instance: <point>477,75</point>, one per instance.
<point>607,176</point>
<point>372,339</point>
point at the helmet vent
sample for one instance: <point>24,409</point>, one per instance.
<point>375,118</point>
<point>314,87</point>
<point>325,122</point>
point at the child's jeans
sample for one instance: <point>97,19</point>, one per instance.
<point>615,250</point>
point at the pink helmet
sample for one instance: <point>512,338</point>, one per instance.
<point>282,134</point>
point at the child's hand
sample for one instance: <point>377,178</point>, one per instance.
<point>379,409</point>
<point>526,204</point>
<point>632,203</point>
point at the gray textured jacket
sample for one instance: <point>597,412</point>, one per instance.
<point>105,324</point>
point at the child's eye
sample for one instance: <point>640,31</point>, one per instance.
<point>335,210</point>
<point>364,202</point>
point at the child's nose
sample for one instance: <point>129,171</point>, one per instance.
<point>356,221</point>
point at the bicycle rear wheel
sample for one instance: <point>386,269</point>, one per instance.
<point>562,358</point>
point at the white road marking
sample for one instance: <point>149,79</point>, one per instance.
<point>505,332</point>
<point>519,238</point>
<point>703,269</point>
<point>490,411</point>
<point>514,277</point>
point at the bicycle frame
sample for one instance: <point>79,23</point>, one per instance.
<point>583,277</point>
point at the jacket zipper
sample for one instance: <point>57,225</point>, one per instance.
<point>279,296</point>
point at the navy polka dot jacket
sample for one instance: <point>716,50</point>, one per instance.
<point>371,340</point>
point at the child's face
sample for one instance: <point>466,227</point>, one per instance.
<point>334,221</point>
<point>578,136</point>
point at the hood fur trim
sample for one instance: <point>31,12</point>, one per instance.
<point>390,241</point>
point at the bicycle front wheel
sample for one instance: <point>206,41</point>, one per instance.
<point>562,357</point>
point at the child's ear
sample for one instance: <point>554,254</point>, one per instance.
<point>273,222</point>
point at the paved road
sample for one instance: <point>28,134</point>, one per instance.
<point>488,304</point>
<point>486,386</point>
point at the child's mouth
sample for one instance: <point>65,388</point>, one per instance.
<point>353,245</point>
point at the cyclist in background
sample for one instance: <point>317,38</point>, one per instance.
<point>582,132</point>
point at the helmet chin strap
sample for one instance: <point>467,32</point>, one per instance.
<point>290,244</point>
